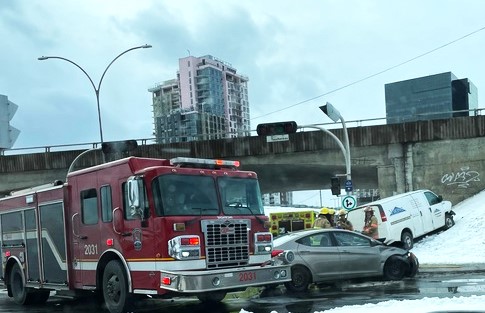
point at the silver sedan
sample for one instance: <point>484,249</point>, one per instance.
<point>329,255</point>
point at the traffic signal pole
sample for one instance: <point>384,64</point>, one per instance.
<point>285,128</point>
<point>335,116</point>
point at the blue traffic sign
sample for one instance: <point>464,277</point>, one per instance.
<point>348,185</point>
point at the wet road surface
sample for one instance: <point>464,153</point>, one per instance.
<point>318,298</point>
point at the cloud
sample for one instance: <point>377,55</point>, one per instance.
<point>297,56</point>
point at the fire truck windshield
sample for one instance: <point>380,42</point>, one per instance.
<point>176,195</point>
<point>240,196</point>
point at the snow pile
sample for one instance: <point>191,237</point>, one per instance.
<point>425,305</point>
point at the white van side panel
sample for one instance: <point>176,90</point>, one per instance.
<point>410,211</point>
<point>423,222</point>
<point>357,218</point>
<point>400,214</point>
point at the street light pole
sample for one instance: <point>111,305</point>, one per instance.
<point>335,116</point>
<point>96,89</point>
<point>339,143</point>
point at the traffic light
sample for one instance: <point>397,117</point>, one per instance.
<point>277,128</point>
<point>119,146</point>
<point>335,186</point>
<point>8,134</point>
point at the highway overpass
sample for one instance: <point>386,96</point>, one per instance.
<point>446,156</point>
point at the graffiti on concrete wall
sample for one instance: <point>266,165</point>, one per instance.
<point>462,178</point>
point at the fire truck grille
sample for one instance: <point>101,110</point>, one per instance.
<point>226,242</point>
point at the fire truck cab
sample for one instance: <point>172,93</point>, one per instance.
<point>155,227</point>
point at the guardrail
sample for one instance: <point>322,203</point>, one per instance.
<point>145,141</point>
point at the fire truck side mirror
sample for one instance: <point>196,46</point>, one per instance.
<point>133,193</point>
<point>136,197</point>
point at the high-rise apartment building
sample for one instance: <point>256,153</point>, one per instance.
<point>278,199</point>
<point>207,100</point>
<point>430,97</point>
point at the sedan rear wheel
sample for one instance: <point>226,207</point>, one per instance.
<point>300,279</point>
<point>395,268</point>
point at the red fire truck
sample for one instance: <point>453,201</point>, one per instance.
<point>139,226</point>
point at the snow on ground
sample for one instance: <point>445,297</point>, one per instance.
<point>464,243</point>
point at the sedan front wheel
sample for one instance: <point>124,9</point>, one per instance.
<point>395,268</point>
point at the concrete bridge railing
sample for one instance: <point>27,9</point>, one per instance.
<point>446,156</point>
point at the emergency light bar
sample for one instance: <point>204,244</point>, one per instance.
<point>204,163</point>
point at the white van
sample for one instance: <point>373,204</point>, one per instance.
<point>403,217</point>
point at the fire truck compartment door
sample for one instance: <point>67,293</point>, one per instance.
<point>53,243</point>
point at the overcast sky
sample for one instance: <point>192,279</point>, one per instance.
<point>297,54</point>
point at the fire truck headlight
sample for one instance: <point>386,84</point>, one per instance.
<point>184,247</point>
<point>283,273</point>
<point>276,275</point>
<point>263,243</point>
<point>264,249</point>
<point>216,281</point>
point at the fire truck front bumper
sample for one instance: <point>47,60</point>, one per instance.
<point>224,279</point>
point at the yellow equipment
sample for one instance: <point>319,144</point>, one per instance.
<point>284,222</point>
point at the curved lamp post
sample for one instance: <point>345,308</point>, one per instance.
<point>96,89</point>
<point>335,116</point>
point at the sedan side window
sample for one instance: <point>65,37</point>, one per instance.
<point>350,239</point>
<point>318,240</point>
<point>306,241</point>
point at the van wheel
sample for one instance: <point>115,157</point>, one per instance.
<point>407,240</point>
<point>449,221</point>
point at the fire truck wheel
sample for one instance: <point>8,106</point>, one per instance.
<point>20,293</point>
<point>115,288</point>
<point>211,297</point>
